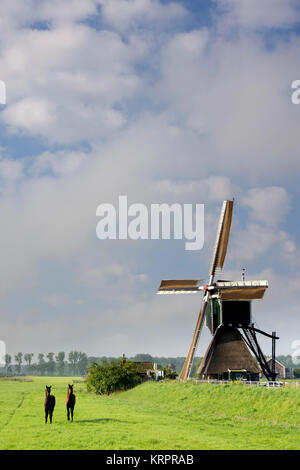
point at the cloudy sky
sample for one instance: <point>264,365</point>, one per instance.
<point>162,101</point>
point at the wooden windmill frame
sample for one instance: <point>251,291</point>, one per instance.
<point>231,297</point>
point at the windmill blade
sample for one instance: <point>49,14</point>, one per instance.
<point>221,244</point>
<point>179,286</point>
<point>241,290</point>
<point>185,373</point>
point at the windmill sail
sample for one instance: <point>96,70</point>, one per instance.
<point>185,372</point>
<point>217,262</point>
<point>241,290</point>
<point>221,244</point>
<point>178,286</point>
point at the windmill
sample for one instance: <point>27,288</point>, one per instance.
<point>226,308</point>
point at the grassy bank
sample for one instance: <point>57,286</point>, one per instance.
<point>151,416</point>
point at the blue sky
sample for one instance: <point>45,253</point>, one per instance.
<point>162,101</point>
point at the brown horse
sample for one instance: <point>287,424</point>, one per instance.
<point>70,402</point>
<point>49,404</point>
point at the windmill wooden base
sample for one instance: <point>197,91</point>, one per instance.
<point>228,357</point>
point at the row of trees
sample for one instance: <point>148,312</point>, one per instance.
<point>77,363</point>
<point>47,364</point>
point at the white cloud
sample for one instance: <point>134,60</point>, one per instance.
<point>253,241</point>
<point>268,205</point>
<point>80,84</point>
<point>213,188</point>
<point>261,13</point>
<point>263,233</point>
<point>235,97</point>
<point>56,299</point>
<point>62,162</point>
<point>20,14</point>
<point>66,83</point>
<point>191,116</point>
<point>115,281</point>
<point>63,11</point>
<point>10,170</point>
<point>30,114</point>
<point>123,14</point>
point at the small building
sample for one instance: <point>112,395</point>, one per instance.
<point>144,368</point>
<point>279,368</point>
<point>148,370</point>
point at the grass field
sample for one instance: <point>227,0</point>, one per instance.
<point>152,416</point>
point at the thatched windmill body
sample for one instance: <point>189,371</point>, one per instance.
<point>226,309</point>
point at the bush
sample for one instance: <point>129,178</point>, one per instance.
<point>110,377</point>
<point>169,373</point>
<point>296,373</point>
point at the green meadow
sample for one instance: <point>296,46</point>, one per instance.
<point>154,416</point>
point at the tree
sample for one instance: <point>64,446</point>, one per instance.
<point>169,373</point>
<point>143,358</point>
<point>60,361</point>
<point>109,377</point>
<point>28,359</point>
<point>73,359</point>
<point>51,364</point>
<point>7,359</point>
<point>41,364</point>
<point>82,363</point>
<point>296,373</point>
<point>19,359</point>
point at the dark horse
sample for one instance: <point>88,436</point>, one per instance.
<point>49,404</point>
<point>70,402</point>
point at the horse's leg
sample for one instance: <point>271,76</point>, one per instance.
<point>72,413</point>
<point>46,416</point>
<point>51,411</point>
<point>68,413</point>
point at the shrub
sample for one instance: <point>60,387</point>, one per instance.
<point>296,373</point>
<point>110,377</point>
<point>169,373</point>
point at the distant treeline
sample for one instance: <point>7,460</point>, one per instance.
<point>287,361</point>
<point>77,363</point>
